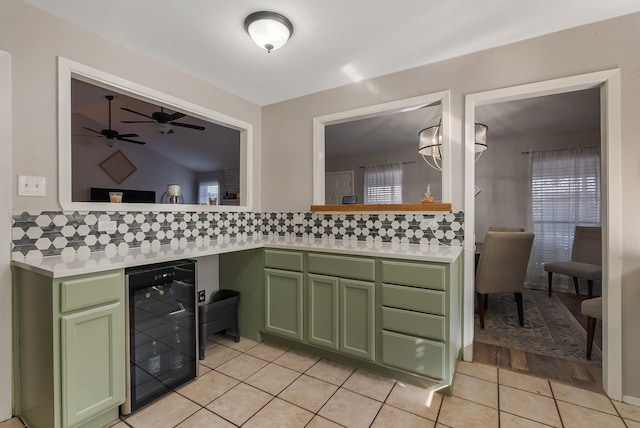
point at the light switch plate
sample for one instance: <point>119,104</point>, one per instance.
<point>29,185</point>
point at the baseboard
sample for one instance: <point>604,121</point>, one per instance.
<point>631,400</point>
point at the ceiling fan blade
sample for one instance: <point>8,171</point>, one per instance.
<point>138,121</point>
<point>175,116</point>
<point>130,141</point>
<point>135,112</point>
<point>187,125</point>
<point>128,135</point>
<point>92,130</point>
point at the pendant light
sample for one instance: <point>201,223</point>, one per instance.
<point>430,143</point>
<point>269,30</point>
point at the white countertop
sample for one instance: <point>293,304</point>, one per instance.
<point>124,257</point>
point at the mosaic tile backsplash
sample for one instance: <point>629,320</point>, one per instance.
<point>49,233</point>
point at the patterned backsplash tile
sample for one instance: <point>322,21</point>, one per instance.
<point>49,233</point>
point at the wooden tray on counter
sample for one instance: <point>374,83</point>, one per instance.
<point>382,207</point>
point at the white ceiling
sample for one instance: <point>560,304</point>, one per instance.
<point>335,42</point>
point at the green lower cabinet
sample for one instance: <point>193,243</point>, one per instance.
<point>70,370</point>
<point>323,309</point>
<point>92,362</point>
<point>284,303</point>
<point>357,321</point>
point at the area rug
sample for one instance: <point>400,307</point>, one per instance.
<point>549,328</point>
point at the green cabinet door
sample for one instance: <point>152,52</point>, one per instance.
<point>357,323</point>
<point>284,303</point>
<point>323,311</point>
<point>93,362</point>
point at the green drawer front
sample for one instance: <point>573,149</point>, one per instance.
<point>424,275</point>
<point>423,325</point>
<point>286,260</point>
<point>344,267</point>
<point>413,354</point>
<point>413,299</point>
<point>89,290</point>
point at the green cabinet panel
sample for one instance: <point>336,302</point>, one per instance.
<point>343,267</point>
<point>357,327</point>
<point>414,299</point>
<point>414,354</point>
<point>323,310</point>
<point>286,260</point>
<point>88,290</point>
<point>416,274</point>
<point>416,323</point>
<point>92,362</point>
<point>284,303</point>
<point>71,352</point>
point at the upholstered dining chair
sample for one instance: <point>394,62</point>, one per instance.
<point>502,268</point>
<point>586,259</point>
<point>592,308</point>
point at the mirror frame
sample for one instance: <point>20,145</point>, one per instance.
<point>398,106</point>
<point>68,69</point>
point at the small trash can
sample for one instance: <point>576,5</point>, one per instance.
<point>220,314</point>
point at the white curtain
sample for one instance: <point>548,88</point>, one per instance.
<point>383,184</point>
<point>565,193</point>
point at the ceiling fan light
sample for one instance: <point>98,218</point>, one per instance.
<point>269,30</point>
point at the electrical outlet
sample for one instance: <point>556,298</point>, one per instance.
<point>32,186</point>
<point>428,223</point>
<point>201,296</point>
<point>107,226</point>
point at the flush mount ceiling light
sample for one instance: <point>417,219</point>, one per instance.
<point>269,30</point>
<point>430,144</point>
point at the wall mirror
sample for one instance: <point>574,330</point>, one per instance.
<point>118,136</point>
<point>347,142</point>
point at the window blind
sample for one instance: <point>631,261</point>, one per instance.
<point>565,193</point>
<point>383,184</point>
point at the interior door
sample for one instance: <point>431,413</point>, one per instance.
<point>337,185</point>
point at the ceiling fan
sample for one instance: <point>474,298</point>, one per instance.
<point>163,119</point>
<point>110,134</point>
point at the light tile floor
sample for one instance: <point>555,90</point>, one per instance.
<point>258,385</point>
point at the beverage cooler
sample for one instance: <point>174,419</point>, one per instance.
<point>162,335</point>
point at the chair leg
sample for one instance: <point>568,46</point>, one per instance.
<point>550,279</point>
<point>481,308</point>
<point>590,289</point>
<point>576,285</point>
<point>520,309</point>
<point>591,329</point>
<point>486,301</point>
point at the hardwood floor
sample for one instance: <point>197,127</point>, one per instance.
<point>584,375</point>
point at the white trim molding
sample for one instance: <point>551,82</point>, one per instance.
<point>68,69</point>
<point>407,104</point>
<point>609,83</point>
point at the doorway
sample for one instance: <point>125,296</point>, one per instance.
<point>608,83</point>
<point>541,175</point>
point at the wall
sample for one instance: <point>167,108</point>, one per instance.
<point>415,175</point>
<point>502,175</point>
<point>154,172</point>
<point>6,189</point>
<point>287,130</point>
